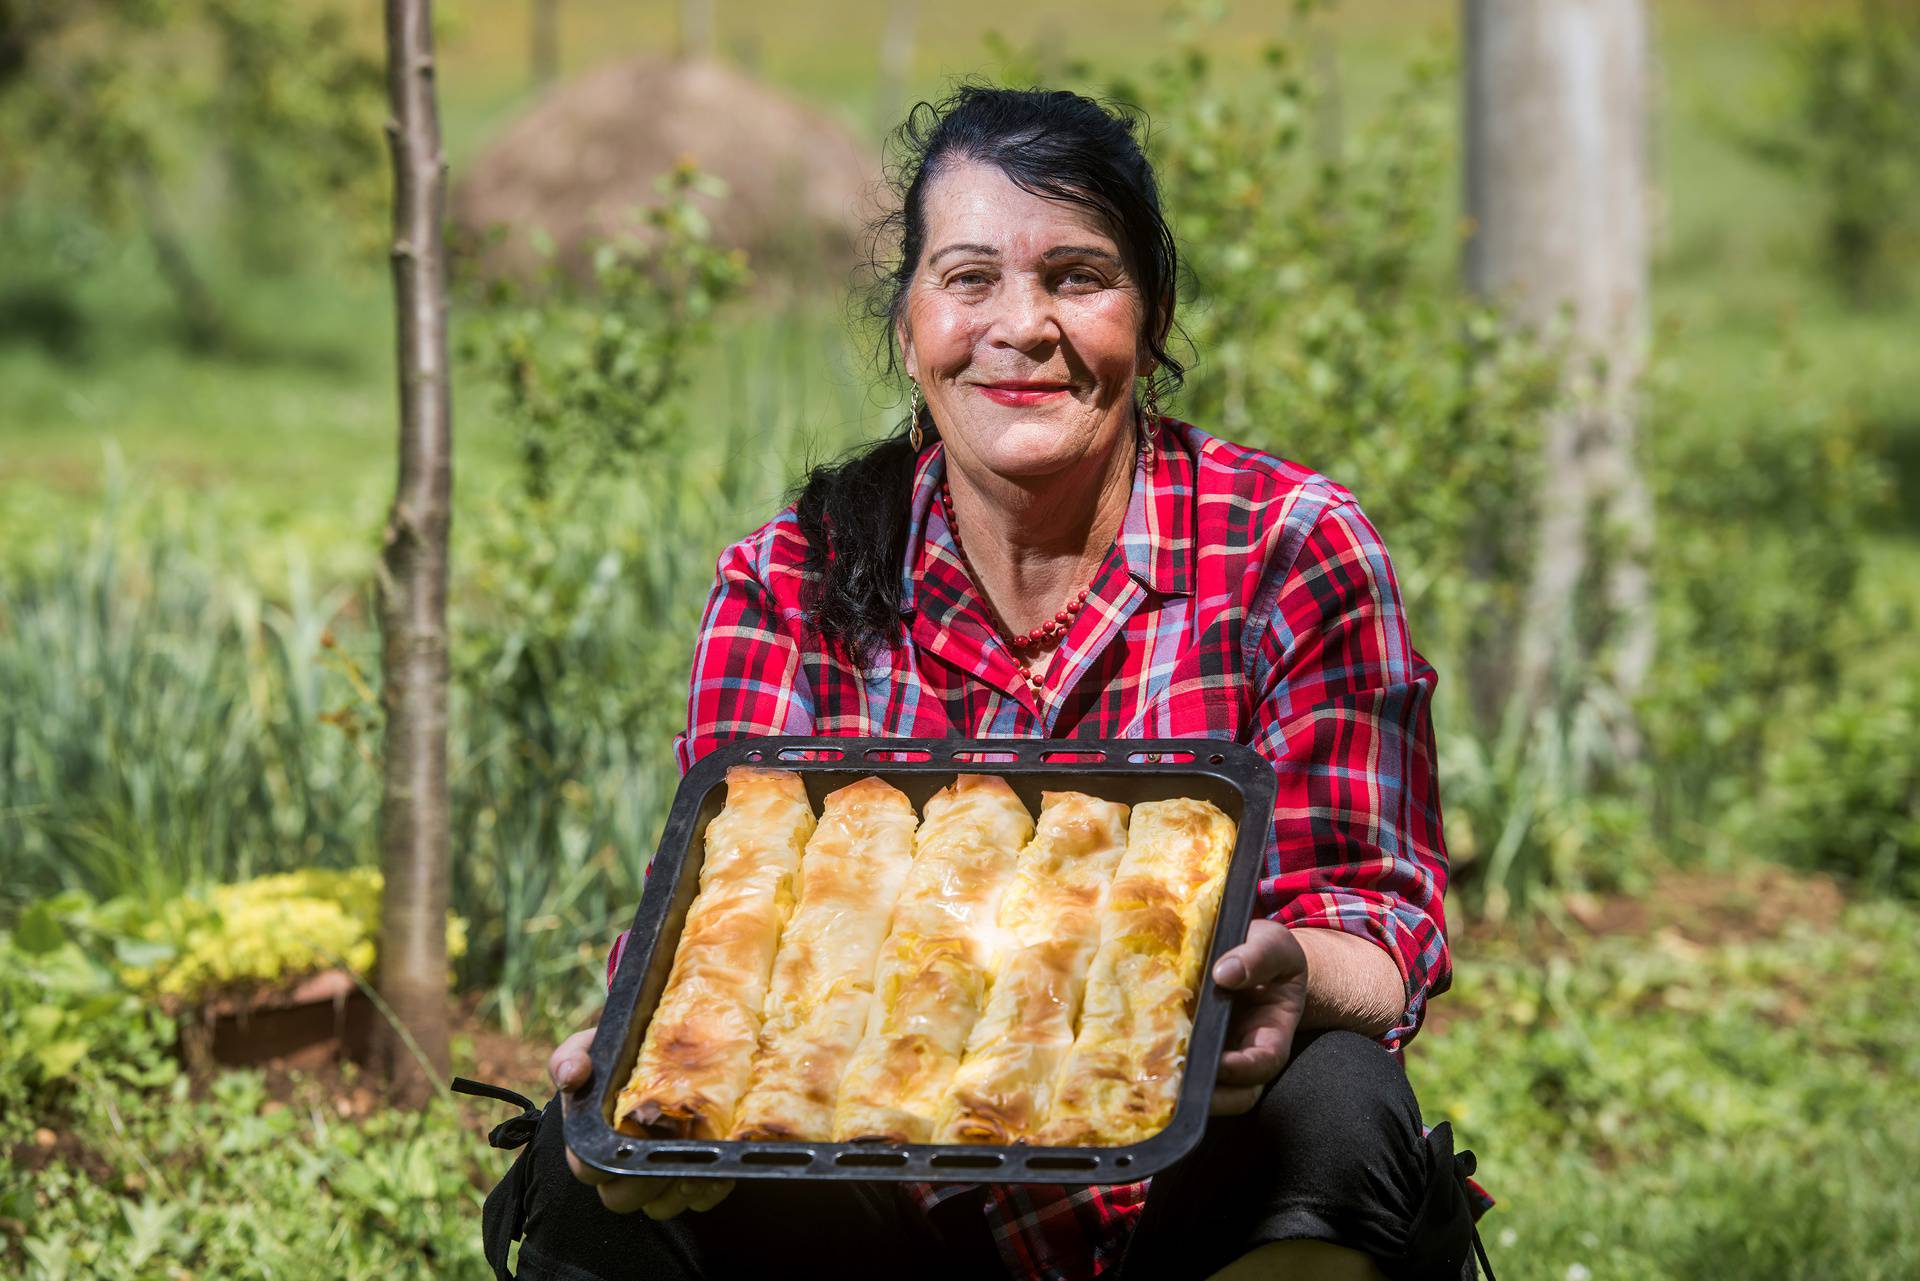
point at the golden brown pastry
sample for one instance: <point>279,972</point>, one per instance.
<point>931,983</point>
<point>697,1057</point>
<point>1049,925</point>
<point>1122,1078</point>
<point>851,875</point>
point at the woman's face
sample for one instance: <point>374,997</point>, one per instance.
<point>1022,327</point>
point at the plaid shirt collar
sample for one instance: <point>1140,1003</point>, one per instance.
<point>1156,538</point>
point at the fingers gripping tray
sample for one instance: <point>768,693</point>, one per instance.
<point>1130,771</point>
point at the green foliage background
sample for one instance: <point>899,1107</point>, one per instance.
<point>187,661</point>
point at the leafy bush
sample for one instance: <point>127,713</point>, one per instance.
<point>82,978</point>
<point>1762,540</point>
<point>1849,124</point>
<point>63,1003</point>
<point>266,931</point>
<point>588,379</point>
<point>119,107</point>
<point>1844,795</point>
<point>115,1168</point>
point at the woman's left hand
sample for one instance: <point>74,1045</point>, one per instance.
<point>1267,977</point>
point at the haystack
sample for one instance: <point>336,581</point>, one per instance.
<point>800,186</point>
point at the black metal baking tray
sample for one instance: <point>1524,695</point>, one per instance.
<point>1232,776</point>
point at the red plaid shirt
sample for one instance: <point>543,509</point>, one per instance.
<point>1245,598</point>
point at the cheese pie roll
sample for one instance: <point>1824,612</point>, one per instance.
<point>850,876</point>
<point>1049,927</point>
<point>697,1057</point>
<point>1122,1078</point>
<point>931,983</point>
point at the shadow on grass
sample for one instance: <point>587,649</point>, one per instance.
<point>44,316</point>
<point>49,318</point>
<point>243,345</point>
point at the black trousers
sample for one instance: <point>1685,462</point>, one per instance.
<point>1334,1152</point>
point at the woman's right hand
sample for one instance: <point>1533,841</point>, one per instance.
<point>661,1198</point>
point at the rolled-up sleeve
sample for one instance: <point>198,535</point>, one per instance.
<point>1343,712</point>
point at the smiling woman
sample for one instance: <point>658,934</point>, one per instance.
<point>1022,332</point>
<point>1033,282</point>
<point>1122,575</point>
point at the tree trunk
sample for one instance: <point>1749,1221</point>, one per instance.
<point>411,1047</point>
<point>545,60</point>
<point>896,62</point>
<point>1557,192</point>
<point>696,28</point>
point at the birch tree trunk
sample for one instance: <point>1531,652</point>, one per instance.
<point>697,27</point>
<point>411,1044</point>
<point>896,62</point>
<point>1557,193</point>
<point>544,42</point>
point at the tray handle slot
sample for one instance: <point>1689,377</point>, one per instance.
<point>776,1158</point>
<point>677,1156</point>
<point>967,1161</point>
<point>871,1159</point>
<point>986,757</point>
<point>811,754</point>
<point>1093,757</point>
<point>1063,1163</point>
<point>1161,758</point>
<point>898,754</point>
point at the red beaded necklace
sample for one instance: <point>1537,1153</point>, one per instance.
<point>1046,633</point>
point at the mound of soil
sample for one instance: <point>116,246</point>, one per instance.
<point>800,186</point>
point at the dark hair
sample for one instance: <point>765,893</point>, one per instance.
<point>1057,145</point>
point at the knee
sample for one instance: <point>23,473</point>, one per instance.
<point>1340,1060</point>
<point>1343,1096</point>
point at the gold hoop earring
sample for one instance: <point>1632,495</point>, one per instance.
<point>914,433</point>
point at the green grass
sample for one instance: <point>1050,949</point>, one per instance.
<point>234,1185</point>
<point>1708,1099</point>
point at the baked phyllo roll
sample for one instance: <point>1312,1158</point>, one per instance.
<point>851,876</point>
<point>1122,1078</point>
<point>1049,927</point>
<point>697,1057</point>
<point>931,982</point>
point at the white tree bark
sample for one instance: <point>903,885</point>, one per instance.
<point>697,26</point>
<point>1557,194</point>
<point>544,42</point>
<point>896,62</point>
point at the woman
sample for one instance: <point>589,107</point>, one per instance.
<point>1042,554</point>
